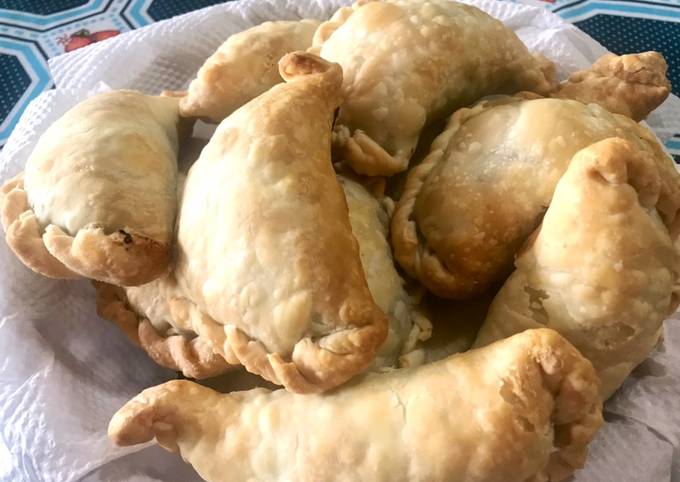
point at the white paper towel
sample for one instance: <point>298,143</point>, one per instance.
<point>64,371</point>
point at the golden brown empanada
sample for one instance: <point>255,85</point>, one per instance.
<point>523,409</point>
<point>407,63</point>
<point>244,67</point>
<point>265,247</point>
<point>601,269</point>
<point>153,315</point>
<point>97,198</point>
<point>488,179</point>
<point>633,85</point>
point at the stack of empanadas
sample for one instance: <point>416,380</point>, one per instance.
<point>279,253</point>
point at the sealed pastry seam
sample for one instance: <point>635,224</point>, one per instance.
<point>24,234</point>
<point>316,364</point>
<point>410,248</point>
<point>122,257</point>
<point>179,352</point>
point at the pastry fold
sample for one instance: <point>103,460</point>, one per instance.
<point>265,247</point>
<point>154,317</point>
<point>243,67</point>
<point>522,409</point>
<point>407,63</point>
<point>601,269</point>
<point>633,84</point>
<point>97,198</point>
<point>488,179</point>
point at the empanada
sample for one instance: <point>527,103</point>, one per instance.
<point>244,67</point>
<point>633,85</point>
<point>153,315</point>
<point>523,409</point>
<point>265,247</point>
<point>97,198</point>
<point>407,63</point>
<point>601,269</point>
<point>370,221</point>
<point>487,181</point>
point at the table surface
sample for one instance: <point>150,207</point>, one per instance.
<point>31,31</point>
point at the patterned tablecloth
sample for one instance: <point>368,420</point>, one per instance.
<point>31,31</point>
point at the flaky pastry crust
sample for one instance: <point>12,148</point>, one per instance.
<point>97,198</point>
<point>409,63</point>
<point>633,84</point>
<point>265,246</point>
<point>601,269</point>
<point>523,409</point>
<point>155,315</point>
<point>243,67</point>
<point>488,179</point>
<point>163,332</point>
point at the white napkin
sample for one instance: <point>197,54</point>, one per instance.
<point>64,371</point>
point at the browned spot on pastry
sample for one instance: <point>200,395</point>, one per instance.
<point>120,258</point>
<point>127,237</point>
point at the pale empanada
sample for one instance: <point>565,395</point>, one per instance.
<point>97,198</point>
<point>407,63</point>
<point>244,67</point>
<point>265,247</point>
<point>523,409</point>
<point>370,221</point>
<point>632,85</point>
<point>602,269</point>
<point>487,181</point>
<point>154,315</point>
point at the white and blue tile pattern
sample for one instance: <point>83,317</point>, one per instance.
<point>32,31</point>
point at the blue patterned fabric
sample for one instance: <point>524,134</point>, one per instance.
<point>31,31</point>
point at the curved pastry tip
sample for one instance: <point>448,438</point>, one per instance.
<point>632,85</point>
<point>335,358</point>
<point>301,64</point>
<point>618,161</point>
<point>119,258</point>
<point>134,423</point>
